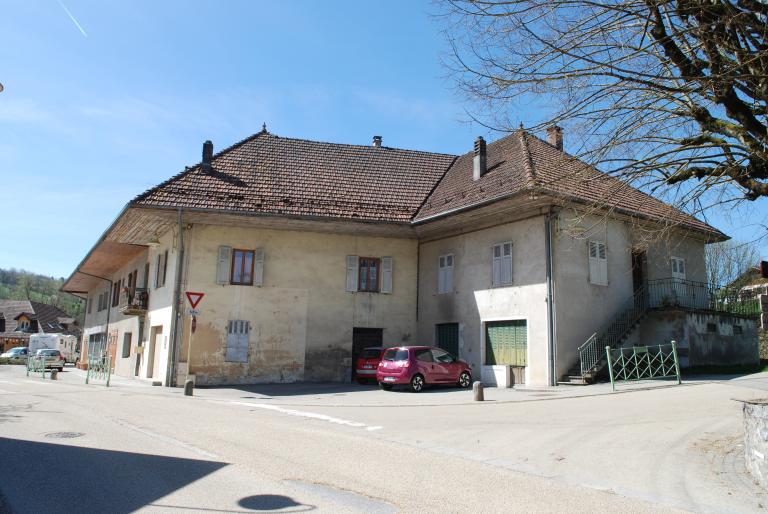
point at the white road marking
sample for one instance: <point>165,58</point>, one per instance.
<point>311,415</point>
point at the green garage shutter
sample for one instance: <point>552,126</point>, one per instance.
<point>448,337</point>
<point>506,343</point>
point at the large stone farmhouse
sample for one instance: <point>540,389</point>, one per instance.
<point>512,256</point>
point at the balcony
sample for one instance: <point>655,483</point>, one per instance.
<point>134,303</point>
<point>689,295</point>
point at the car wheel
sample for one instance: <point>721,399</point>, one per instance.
<point>386,387</point>
<point>417,383</point>
<point>465,379</point>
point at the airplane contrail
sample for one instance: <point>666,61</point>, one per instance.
<point>72,18</point>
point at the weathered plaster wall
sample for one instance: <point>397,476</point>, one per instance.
<point>581,307</point>
<point>698,344</point>
<point>474,301</point>
<point>159,315</point>
<point>301,317</point>
<point>673,245</point>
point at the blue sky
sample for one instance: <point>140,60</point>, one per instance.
<point>102,106</point>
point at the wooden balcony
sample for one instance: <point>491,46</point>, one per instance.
<point>134,303</point>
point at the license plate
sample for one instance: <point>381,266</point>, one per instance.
<point>389,379</point>
<point>368,366</point>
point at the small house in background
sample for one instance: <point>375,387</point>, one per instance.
<point>21,318</point>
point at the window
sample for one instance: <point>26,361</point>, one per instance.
<point>241,273</point>
<point>424,355</point>
<point>393,354</point>
<point>442,356</point>
<point>127,344</point>
<point>368,274</point>
<point>678,267</point>
<point>445,274</point>
<point>237,341</point>
<point>598,263</point>
<point>502,264</point>
<point>240,267</point>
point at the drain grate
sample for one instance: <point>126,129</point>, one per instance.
<point>64,435</point>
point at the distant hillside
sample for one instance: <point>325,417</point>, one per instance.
<point>24,285</point>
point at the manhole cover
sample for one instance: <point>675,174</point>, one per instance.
<point>64,435</point>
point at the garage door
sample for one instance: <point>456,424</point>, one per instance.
<point>506,343</point>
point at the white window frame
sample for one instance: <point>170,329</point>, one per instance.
<point>501,264</point>
<point>598,262</point>
<point>675,264</point>
<point>445,273</point>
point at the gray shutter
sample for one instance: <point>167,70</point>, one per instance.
<point>237,341</point>
<point>386,274</point>
<point>223,265</point>
<point>496,280</point>
<point>258,267</point>
<point>352,264</point>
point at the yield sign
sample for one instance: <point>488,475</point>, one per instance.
<point>194,298</point>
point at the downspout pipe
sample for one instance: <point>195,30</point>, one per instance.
<point>109,308</point>
<point>176,312</point>
<point>551,340</point>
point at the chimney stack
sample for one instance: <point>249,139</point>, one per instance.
<point>377,141</point>
<point>555,136</point>
<point>207,156</point>
<point>480,165</point>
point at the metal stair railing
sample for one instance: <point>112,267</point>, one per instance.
<point>593,350</point>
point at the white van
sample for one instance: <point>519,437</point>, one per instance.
<point>66,344</point>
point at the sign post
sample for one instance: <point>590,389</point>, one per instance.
<point>193,299</point>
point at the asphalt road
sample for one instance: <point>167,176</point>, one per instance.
<point>67,447</point>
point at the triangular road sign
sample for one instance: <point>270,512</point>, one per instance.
<point>194,298</point>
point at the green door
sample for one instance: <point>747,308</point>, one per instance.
<point>506,343</point>
<point>448,337</point>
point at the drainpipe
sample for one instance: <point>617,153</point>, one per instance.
<point>109,306</point>
<point>170,377</point>
<point>550,301</point>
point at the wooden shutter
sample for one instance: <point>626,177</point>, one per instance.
<point>441,274</point>
<point>506,343</point>
<point>496,253</point>
<point>598,263</point>
<point>352,263</point>
<point>223,265</point>
<point>506,263</point>
<point>386,274</point>
<point>448,281</point>
<point>258,267</point>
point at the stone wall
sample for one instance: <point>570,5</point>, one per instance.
<point>756,439</point>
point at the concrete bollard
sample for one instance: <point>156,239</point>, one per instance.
<point>477,391</point>
<point>54,374</point>
<point>188,387</point>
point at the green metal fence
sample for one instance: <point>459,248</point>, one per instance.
<point>642,363</point>
<point>36,364</point>
<point>99,368</point>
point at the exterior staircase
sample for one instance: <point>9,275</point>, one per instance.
<point>592,359</point>
<point>670,293</point>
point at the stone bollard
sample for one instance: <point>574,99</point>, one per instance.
<point>54,374</point>
<point>477,391</point>
<point>188,387</point>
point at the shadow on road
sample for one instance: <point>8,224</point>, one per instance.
<point>45,477</point>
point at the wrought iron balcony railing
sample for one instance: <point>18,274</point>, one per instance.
<point>134,303</point>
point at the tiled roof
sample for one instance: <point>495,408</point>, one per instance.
<point>269,174</point>
<point>276,175</point>
<point>45,315</point>
<point>521,162</point>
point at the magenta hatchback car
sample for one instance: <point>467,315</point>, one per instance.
<point>418,366</point>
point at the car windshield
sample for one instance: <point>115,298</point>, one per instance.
<point>393,354</point>
<point>371,353</point>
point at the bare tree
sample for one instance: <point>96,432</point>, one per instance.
<point>668,95</point>
<point>728,261</point>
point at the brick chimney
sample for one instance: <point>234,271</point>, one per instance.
<point>480,164</point>
<point>207,156</point>
<point>377,141</point>
<point>555,136</point>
